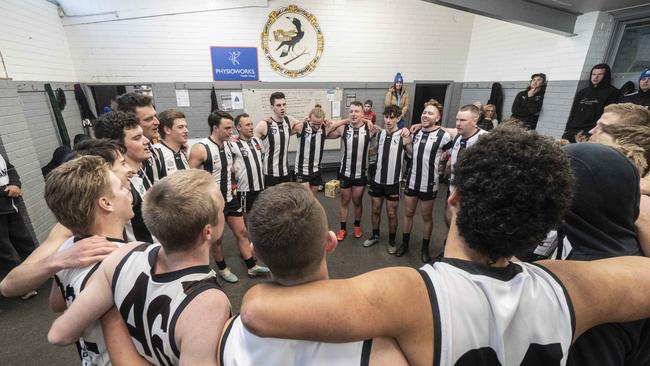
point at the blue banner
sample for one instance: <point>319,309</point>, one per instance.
<point>234,64</point>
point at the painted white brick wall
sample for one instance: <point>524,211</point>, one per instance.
<point>33,42</point>
<point>508,52</point>
<point>364,41</point>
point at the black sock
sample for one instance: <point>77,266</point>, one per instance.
<point>344,225</point>
<point>425,243</point>
<point>357,222</point>
<point>391,238</point>
<point>250,262</point>
<point>375,233</point>
<point>405,238</point>
<point>221,265</point>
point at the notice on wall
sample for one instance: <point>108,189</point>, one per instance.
<point>182,98</point>
<point>300,102</point>
<point>237,99</point>
<point>226,102</point>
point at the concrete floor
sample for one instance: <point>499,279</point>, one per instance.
<point>24,324</point>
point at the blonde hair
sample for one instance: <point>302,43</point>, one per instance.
<point>317,112</point>
<point>630,114</point>
<point>72,191</point>
<point>631,135</point>
<point>634,153</point>
<point>434,103</point>
<point>179,206</point>
<point>491,106</point>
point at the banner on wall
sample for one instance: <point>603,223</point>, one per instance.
<point>234,64</point>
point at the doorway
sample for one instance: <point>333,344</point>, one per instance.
<point>423,93</point>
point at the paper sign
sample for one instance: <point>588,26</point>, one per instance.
<point>237,99</point>
<point>182,98</point>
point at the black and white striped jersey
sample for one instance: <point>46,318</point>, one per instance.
<point>172,160</point>
<point>151,303</point>
<point>355,151</point>
<point>427,149</point>
<point>91,345</point>
<point>239,347</point>
<point>390,157</point>
<point>219,164</point>
<point>248,159</point>
<point>135,229</point>
<point>460,144</point>
<point>310,151</point>
<point>154,167</point>
<point>515,315</point>
<point>276,148</point>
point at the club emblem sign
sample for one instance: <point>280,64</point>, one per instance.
<point>292,41</point>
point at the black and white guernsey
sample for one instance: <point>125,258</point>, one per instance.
<point>355,151</point>
<point>239,347</point>
<point>151,303</point>
<point>390,157</point>
<point>460,144</point>
<point>248,159</point>
<point>219,164</point>
<point>91,345</point>
<point>427,149</point>
<point>276,148</point>
<point>516,315</point>
<point>310,151</point>
<point>172,161</point>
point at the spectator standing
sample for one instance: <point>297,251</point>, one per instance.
<point>398,96</point>
<point>589,102</point>
<point>642,95</point>
<point>367,111</point>
<point>528,103</point>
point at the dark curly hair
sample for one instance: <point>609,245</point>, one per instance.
<point>514,187</point>
<point>111,125</point>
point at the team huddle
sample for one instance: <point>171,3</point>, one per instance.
<point>153,216</point>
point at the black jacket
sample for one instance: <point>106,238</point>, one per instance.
<point>589,102</point>
<point>7,203</point>
<point>638,97</point>
<point>527,108</point>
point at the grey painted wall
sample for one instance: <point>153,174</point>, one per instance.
<point>28,136</point>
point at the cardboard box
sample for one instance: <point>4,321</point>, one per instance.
<point>332,188</point>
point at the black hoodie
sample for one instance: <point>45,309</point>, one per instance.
<point>589,102</point>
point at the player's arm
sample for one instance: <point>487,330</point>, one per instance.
<point>407,141</point>
<point>57,302</point>
<point>199,328</point>
<point>93,302</point>
<point>121,349</point>
<point>46,260</point>
<point>292,123</point>
<point>597,289</point>
<point>643,225</point>
<point>296,128</point>
<point>367,306</point>
<point>373,128</point>
<point>198,155</point>
<point>336,128</point>
<point>260,130</point>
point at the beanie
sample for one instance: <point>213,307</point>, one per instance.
<point>398,78</point>
<point>644,74</point>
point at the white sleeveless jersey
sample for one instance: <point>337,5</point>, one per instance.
<point>517,315</point>
<point>91,345</point>
<point>355,151</point>
<point>150,303</point>
<point>248,159</point>
<point>458,143</point>
<point>427,149</point>
<point>239,347</point>
<point>390,156</point>
<point>172,161</point>
<point>310,150</point>
<point>276,148</point>
<point>219,164</point>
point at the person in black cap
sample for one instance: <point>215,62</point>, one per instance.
<point>601,224</point>
<point>528,103</point>
<point>589,102</point>
<point>642,95</point>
